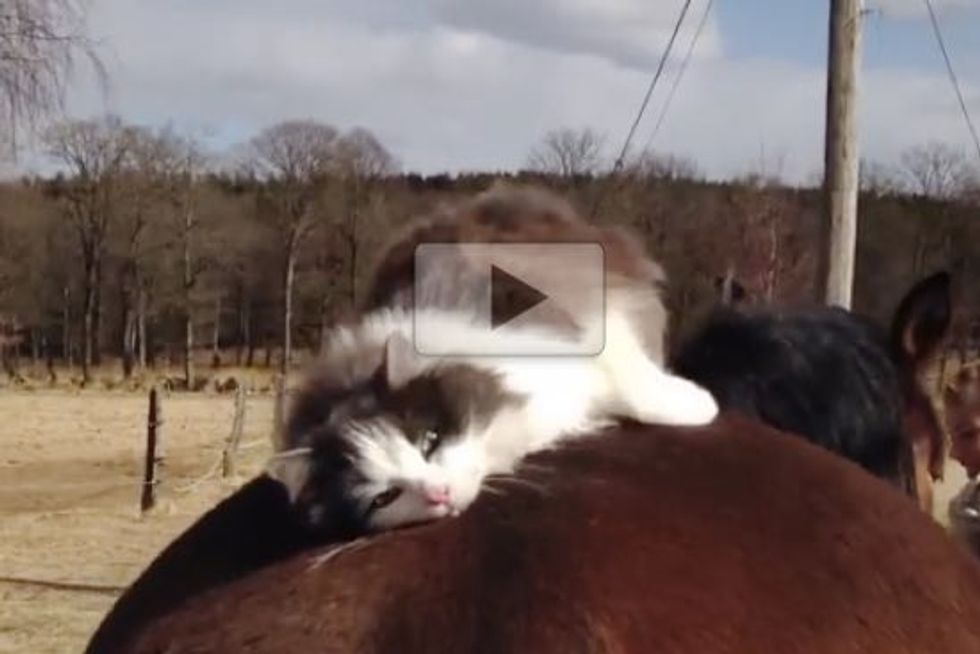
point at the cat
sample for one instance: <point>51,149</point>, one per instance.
<point>381,436</point>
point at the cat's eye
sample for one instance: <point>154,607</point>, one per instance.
<point>429,442</point>
<point>381,500</point>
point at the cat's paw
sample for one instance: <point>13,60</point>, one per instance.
<point>673,401</point>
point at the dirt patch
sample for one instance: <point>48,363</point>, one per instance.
<point>71,467</point>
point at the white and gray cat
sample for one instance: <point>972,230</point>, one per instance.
<point>381,436</point>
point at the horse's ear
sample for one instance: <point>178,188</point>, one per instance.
<point>923,318</point>
<point>292,469</point>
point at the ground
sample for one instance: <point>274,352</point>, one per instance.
<point>71,466</point>
<point>71,469</point>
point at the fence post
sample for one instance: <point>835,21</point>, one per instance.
<point>151,469</point>
<point>278,411</point>
<point>237,427</point>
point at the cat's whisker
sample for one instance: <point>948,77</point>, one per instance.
<point>317,561</point>
<point>493,490</point>
<point>519,481</point>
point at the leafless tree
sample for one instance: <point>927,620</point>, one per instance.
<point>935,170</point>
<point>360,162</point>
<point>940,172</point>
<point>663,166</point>
<point>879,178</point>
<point>179,162</point>
<point>568,152</point>
<point>152,181</point>
<point>94,152</point>
<point>40,42</point>
<point>293,159</point>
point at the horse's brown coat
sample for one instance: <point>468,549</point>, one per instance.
<point>729,539</point>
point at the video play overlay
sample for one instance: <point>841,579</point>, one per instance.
<point>512,291</point>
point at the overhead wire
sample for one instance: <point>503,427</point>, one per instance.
<point>662,64</point>
<point>937,31</point>
<point>653,85</point>
<point>680,74</point>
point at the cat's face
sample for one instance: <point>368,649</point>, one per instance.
<point>418,452</point>
<point>401,473</point>
<point>402,450</point>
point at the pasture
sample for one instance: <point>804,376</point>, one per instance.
<point>71,464</point>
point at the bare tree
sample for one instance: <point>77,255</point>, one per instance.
<point>40,41</point>
<point>133,222</point>
<point>568,152</point>
<point>935,170</point>
<point>151,181</point>
<point>179,162</point>
<point>94,152</point>
<point>878,178</point>
<point>663,166</point>
<point>361,162</point>
<point>940,172</point>
<point>293,159</point>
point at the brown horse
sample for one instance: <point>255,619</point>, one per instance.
<point>730,539</point>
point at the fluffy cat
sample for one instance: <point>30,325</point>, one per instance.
<point>381,436</point>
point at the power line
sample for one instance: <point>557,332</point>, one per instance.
<point>680,74</point>
<point>617,166</point>
<point>653,84</point>
<point>952,74</point>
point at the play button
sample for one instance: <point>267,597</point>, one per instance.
<point>510,297</point>
<point>524,299</point>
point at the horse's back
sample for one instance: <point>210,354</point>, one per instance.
<point>728,539</point>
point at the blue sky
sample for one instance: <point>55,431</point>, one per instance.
<point>460,85</point>
<point>797,30</point>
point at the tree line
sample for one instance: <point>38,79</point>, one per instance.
<point>146,249</point>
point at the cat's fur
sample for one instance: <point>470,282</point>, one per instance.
<point>381,436</point>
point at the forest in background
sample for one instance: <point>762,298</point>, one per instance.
<point>145,249</point>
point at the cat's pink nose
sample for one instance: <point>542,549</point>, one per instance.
<point>437,495</point>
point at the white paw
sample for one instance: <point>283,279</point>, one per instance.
<point>676,402</point>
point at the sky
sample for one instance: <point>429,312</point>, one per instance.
<point>452,85</point>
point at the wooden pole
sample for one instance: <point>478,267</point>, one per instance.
<point>841,159</point>
<point>278,411</point>
<point>237,427</point>
<point>152,462</point>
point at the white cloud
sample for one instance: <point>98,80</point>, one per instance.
<point>629,32</point>
<point>446,89</point>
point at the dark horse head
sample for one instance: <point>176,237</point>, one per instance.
<point>835,378</point>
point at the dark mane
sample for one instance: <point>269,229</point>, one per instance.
<point>732,538</point>
<point>835,378</point>
<point>825,374</point>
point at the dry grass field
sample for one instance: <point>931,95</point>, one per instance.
<point>70,473</point>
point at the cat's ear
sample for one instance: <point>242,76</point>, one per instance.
<point>292,469</point>
<point>399,364</point>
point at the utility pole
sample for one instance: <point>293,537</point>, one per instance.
<point>841,153</point>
